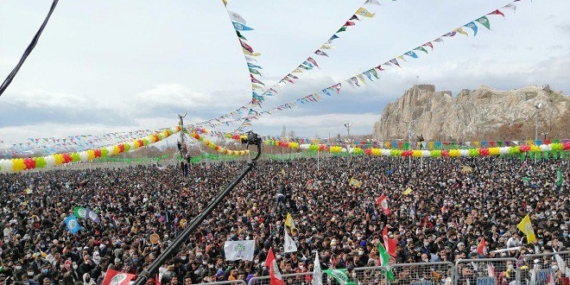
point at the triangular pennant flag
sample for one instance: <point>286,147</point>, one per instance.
<point>319,52</point>
<point>497,12</point>
<point>361,77</point>
<point>246,46</point>
<point>461,31</point>
<point>342,29</point>
<point>472,26</point>
<point>317,272</point>
<point>364,13</point>
<point>484,21</point>
<point>311,60</point>
<point>395,62</point>
<point>511,6</point>
<point>421,49</point>
<point>370,2</point>
<point>348,24</point>
<point>354,17</point>
<point>241,27</point>
<point>428,44</point>
<point>240,36</point>
<point>236,17</point>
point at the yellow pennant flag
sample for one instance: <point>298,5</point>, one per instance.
<point>289,222</point>
<point>408,191</point>
<point>355,182</point>
<point>363,12</point>
<point>326,47</point>
<point>255,86</point>
<point>246,52</point>
<point>225,3</point>
<point>525,226</point>
<point>361,77</point>
<point>461,31</point>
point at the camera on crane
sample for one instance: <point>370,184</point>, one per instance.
<point>251,139</point>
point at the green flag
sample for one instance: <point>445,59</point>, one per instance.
<point>80,212</point>
<point>484,21</point>
<point>254,71</point>
<point>384,261</point>
<point>340,276</point>
<point>341,29</point>
<point>241,36</point>
<point>559,178</point>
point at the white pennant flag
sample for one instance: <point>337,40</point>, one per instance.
<point>242,249</point>
<point>372,2</point>
<point>290,245</point>
<point>317,272</point>
<point>236,17</point>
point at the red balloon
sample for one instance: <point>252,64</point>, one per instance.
<point>484,152</point>
<point>67,158</point>
<point>368,151</point>
<point>97,152</point>
<point>445,153</point>
<point>121,148</point>
<point>566,146</point>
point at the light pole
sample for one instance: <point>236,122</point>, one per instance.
<point>537,106</point>
<point>544,134</point>
<point>347,126</point>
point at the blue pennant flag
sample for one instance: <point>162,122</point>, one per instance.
<point>72,224</point>
<point>253,66</point>
<point>241,27</point>
<point>472,26</point>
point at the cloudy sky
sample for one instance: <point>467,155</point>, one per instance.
<point>107,66</point>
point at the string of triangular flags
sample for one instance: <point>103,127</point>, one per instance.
<point>259,91</point>
<point>240,25</point>
<point>370,74</point>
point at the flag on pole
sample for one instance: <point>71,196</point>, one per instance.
<point>385,261</point>
<point>389,243</point>
<point>242,249</point>
<point>525,226</point>
<point>80,212</point>
<point>290,222</point>
<point>383,203</point>
<point>290,245</point>
<point>317,272</point>
<point>274,274</point>
<point>340,276</point>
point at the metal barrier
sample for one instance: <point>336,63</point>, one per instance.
<point>487,271</point>
<point>289,279</point>
<point>241,282</point>
<point>368,275</point>
<point>537,268</point>
<point>425,273</point>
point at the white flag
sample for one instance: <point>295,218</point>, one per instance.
<point>236,17</point>
<point>372,2</point>
<point>242,249</point>
<point>317,272</point>
<point>290,245</point>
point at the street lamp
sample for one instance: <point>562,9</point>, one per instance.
<point>538,105</point>
<point>347,126</point>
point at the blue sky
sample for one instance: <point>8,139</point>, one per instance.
<point>109,66</point>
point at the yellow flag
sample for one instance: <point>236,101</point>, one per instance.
<point>526,227</point>
<point>363,12</point>
<point>402,58</point>
<point>225,2</point>
<point>408,191</point>
<point>326,47</point>
<point>289,222</point>
<point>461,31</point>
<point>355,182</point>
<point>283,172</point>
<point>361,77</point>
<point>246,52</point>
<point>255,86</point>
<point>28,191</point>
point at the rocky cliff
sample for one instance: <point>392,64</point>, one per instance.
<point>473,113</point>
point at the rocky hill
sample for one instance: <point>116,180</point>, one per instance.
<point>484,113</point>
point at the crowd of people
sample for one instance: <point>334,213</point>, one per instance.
<point>450,205</point>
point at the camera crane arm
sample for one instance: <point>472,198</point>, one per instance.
<point>252,139</point>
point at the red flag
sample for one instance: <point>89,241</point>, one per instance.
<point>274,273</point>
<point>383,203</point>
<point>311,60</point>
<point>349,23</point>
<point>481,247</point>
<point>380,67</point>
<point>389,243</point>
<point>497,12</point>
<point>246,46</point>
<point>428,44</point>
<point>113,277</point>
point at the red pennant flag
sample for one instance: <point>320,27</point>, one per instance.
<point>428,44</point>
<point>311,60</point>
<point>383,203</point>
<point>246,46</point>
<point>481,247</point>
<point>349,23</point>
<point>274,274</point>
<point>113,277</point>
<point>380,68</point>
<point>497,12</point>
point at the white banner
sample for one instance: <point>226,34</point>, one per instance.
<point>242,249</point>
<point>290,245</point>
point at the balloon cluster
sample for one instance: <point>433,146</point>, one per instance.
<point>21,164</point>
<point>215,147</point>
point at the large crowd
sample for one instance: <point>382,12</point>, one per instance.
<point>452,205</point>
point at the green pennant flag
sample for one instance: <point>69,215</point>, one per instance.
<point>254,71</point>
<point>559,178</point>
<point>484,21</point>
<point>385,261</point>
<point>341,29</point>
<point>80,212</point>
<point>562,154</point>
<point>500,144</point>
<point>241,36</point>
<point>373,71</point>
<point>340,276</point>
<point>523,155</point>
<point>422,49</point>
